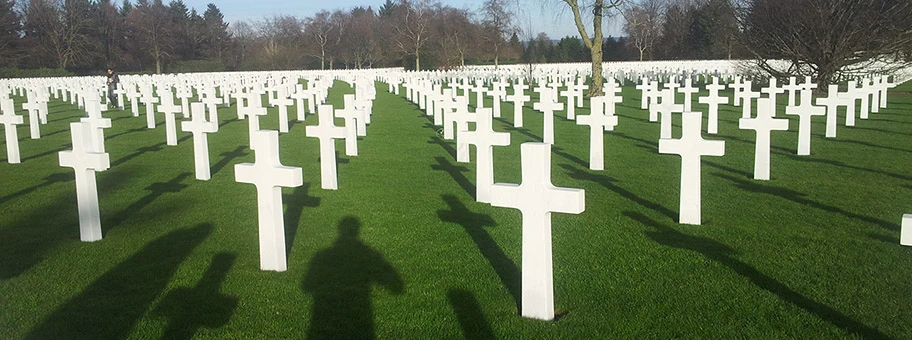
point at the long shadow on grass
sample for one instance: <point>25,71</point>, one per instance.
<point>609,183</point>
<point>443,144</point>
<point>871,145</point>
<point>340,278</point>
<point>471,318</point>
<point>474,224</point>
<point>139,152</point>
<point>296,203</point>
<point>110,307</point>
<point>844,165</point>
<point>724,255</point>
<point>133,130</point>
<point>798,197</point>
<point>155,190</point>
<point>227,157</point>
<point>67,146</point>
<point>455,171</point>
<point>23,243</point>
<point>60,177</point>
<point>189,309</point>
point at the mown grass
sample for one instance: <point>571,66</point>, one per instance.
<point>402,250</point>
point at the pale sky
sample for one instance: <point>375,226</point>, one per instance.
<point>554,19</point>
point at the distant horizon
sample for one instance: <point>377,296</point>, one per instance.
<point>554,19</point>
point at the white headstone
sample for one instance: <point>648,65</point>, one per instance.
<point>9,119</point>
<point>713,100</point>
<point>598,122</point>
<point>905,232</point>
<point>327,132</point>
<point>85,162</point>
<point>168,108</point>
<point>691,146</point>
<point>831,103</point>
<point>547,105</point>
<point>666,108</point>
<point>484,138</point>
<point>199,126</point>
<point>349,114</point>
<point>537,198</point>
<point>805,111</point>
<point>763,124</point>
<point>269,176</point>
<point>518,99</point>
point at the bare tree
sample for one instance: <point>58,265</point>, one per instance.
<point>824,38</point>
<point>643,25</point>
<point>152,30</point>
<point>59,28</point>
<point>319,29</point>
<point>598,8</point>
<point>412,27</point>
<point>498,25</point>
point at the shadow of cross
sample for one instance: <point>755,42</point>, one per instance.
<point>455,171</point>
<point>227,157</point>
<point>203,305</point>
<point>473,223</point>
<point>443,144</point>
<point>296,202</point>
<point>50,179</point>
<point>156,190</point>
<point>139,152</point>
<point>725,255</point>
<point>471,318</point>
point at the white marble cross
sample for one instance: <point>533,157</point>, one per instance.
<point>299,95</point>
<point>32,107</point>
<point>644,93</point>
<point>792,88</point>
<point>349,114</point>
<point>547,105</point>
<point>96,123</point>
<point>149,101</point>
<point>252,111</point>
<point>184,93</point>
<point>598,122</point>
<point>771,92</point>
<point>519,99</point>
<point>848,100</point>
<point>497,95</point>
<point>688,90</point>
<point>691,146</point>
<point>666,108</point>
<point>85,162</point>
<point>484,138</point>
<point>763,124</point>
<point>905,231</point>
<point>831,103</point>
<point>199,126</point>
<point>712,101</point>
<point>211,101</point>
<point>269,176</point>
<point>570,94</point>
<point>168,108</point>
<point>805,111</point>
<point>327,132</point>
<point>283,102</point>
<point>9,119</point>
<point>537,198</point>
<point>748,96</point>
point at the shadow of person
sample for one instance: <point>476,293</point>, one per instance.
<point>188,309</point>
<point>340,280</point>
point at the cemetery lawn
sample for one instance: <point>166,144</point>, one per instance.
<point>812,253</point>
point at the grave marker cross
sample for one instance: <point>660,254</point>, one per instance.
<point>691,146</point>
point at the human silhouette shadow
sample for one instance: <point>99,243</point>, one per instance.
<point>471,318</point>
<point>296,203</point>
<point>340,279</point>
<point>110,307</point>
<point>455,171</point>
<point>189,309</point>
<point>474,224</point>
<point>725,255</point>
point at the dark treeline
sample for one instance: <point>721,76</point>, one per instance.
<point>86,36</point>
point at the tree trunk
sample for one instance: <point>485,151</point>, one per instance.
<point>417,61</point>
<point>595,89</point>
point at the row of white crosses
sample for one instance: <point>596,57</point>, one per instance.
<point>535,197</point>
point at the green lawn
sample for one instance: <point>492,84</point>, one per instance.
<point>402,250</point>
